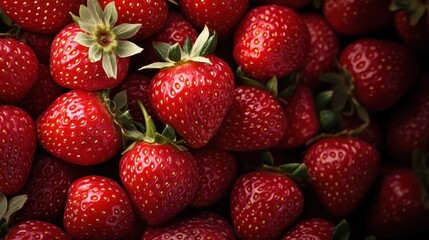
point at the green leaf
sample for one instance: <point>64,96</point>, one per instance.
<point>6,20</point>
<point>289,167</point>
<point>290,88</point>
<point>126,30</point>
<point>245,80</point>
<point>87,27</point>
<point>174,53</point>
<point>158,65</point>
<point>4,228</point>
<point>169,132</point>
<point>86,16</point>
<point>187,45</point>
<point>14,205</point>
<point>420,167</point>
<point>95,9</point>
<point>341,231</point>
<point>330,122</point>
<point>120,99</point>
<point>323,99</point>
<point>3,204</point>
<point>210,45</point>
<point>340,97</point>
<point>109,65</point>
<point>85,39</point>
<point>272,86</point>
<point>200,59</point>
<point>331,78</point>
<point>200,42</point>
<point>267,157</point>
<point>362,113</point>
<point>127,49</point>
<point>95,53</point>
<point>110,14</point>
<point>161,49</point>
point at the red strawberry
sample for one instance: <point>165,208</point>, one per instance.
<point>314,228</point>
<point>414,35</point>
<point>151,14</point>
<point>271,40</point>
<point>97,208</point>
<point>92,54</point>
<point>255,120</point>
<point>35,229</point>
<point>302,117</point>
<point>193,92</point>
<point>17,148</point>
<point>217,170</point>
<point>295,4</point>
<point>323,52</point>
<point>40,43</point>
<point>78,127</point>
<point>19,66</point>
<point>206,225</point>
<point>382,71</point>
<point>219,15</point>
<point>264,205</point>
<point>47,16</point>
<point>342,170</point>
<point>357,17</point>
<point>397,210</point>
<point>42,94</point>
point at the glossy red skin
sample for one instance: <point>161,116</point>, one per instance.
<point>415,36</point>
<point>40,43</point>
<point>314,228</point>
<point>151,14</point>
<point>206,225</point>
<point>264,205</point>
<point>47,188</point>
<point>303,122</point>
<point>219,15</point>
<point>17,148</point>
<point>408,125</point>
<point>193,98</point>
<point>397,209</point>
<point>160,180</point>
<point>71,68</point>
<point>36,229</point>
<point>323,52</point>
<point>382,71</point>
<point>342,170</point>
<point>78,128</point>
<point>263,49</point>
<point>357,17</point>
<point>97,207</point>
<point>42,94</point>
<point>217,170</point>
<point>19,67</point>
<point>295,4</point>
<point>255,120</point>
<point>48,16</point>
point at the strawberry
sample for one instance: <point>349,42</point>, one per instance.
<point>219,15</point>
<point>42,94</point>
<point>79,127</point>
<point>301,115</point>
<point>193,89</point>
<point>41,16</point>
<point>323,52</point>
<point>315,228</point>
<point>36,229</point>
<point>40,43</point>
<point>342,170</point>
<point>255,120</point>
<point>397,209</point>
<point>151,14</point>
<point>17,148</point>
<point>271,40</point>
<point>295,4</point>
<point>393,70</point>
<point>97,208</point>
<point>19,66</point>
<point>357,17</point>
<point>205,225</point>
<point>264,204</point>
<point>158,174</point>
<point>77,49</point>
<point>217,170</point>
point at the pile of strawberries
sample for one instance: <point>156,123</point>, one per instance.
<point>214,119</point>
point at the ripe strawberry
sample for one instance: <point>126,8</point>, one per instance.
<point>40,43</point>
<point>382,71</point>
<point>416,35</point>
<point>271,40</point>
<point>323,52</point>
<point>314,228</point>
<point>17,148</point>
<point>205,225</point>
<point>219,15</point>
<point>80,128</point>
<point>97,208</point>
<point>301,115</point>
<point>217,170</point>
<point>36,229</point>
<point>42,94</point>
<point>151,14</point>
<point>19,66</point>
<point>255,120</point>
<point>193,91</point>
<point>342,170</point>
<point>47,16</point>
<point>77,49</point>
<point>397,209</point>
<point>264,205</point>
<point>357,17</point>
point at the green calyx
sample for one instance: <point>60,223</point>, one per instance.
<point>420,166</point>
<point>7,209</point>
<point>104,40</point>
<point>175,54</point>
<point>341,231</point>
<point>415,8</point>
